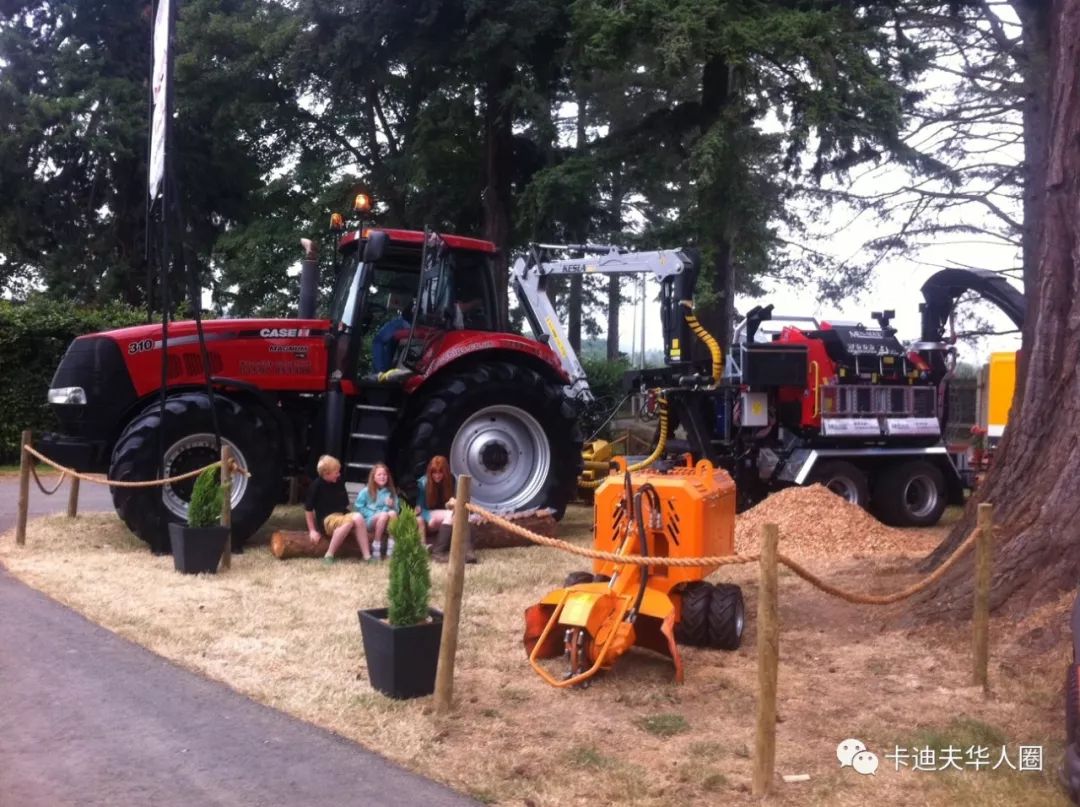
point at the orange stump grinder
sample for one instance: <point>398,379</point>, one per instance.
<point>596,617</point>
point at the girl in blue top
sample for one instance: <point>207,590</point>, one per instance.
<point>378,503</point>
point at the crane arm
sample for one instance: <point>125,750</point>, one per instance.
<point>675,269</point>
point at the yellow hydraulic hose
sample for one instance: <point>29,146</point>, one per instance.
<point>706,337</point>
<point>717,371</point>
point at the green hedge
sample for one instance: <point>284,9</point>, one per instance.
<point>33,338</point>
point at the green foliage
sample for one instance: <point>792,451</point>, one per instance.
<point>34,336</point>
<point>605,381</point>
<point>204,509</point>
<point>410,571</point>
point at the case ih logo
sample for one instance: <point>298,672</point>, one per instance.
<point>277,333</point>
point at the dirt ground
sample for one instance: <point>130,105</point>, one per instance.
<point>285,633</point>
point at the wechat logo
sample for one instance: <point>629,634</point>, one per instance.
<point>852,753</point>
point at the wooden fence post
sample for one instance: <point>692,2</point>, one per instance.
<point>225,474</point>
<point>455,584</point>
<point>768,645</point>
<point>984,550</point>
<point>73,498</point>
<point>24,486</point>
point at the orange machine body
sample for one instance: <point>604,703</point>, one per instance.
<point>593,623</point>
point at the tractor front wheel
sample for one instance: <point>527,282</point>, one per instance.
<point>187,437</point>
<point>509,429</point>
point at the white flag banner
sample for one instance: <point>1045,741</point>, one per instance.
<point>159,79</point>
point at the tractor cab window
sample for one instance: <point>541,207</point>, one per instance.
<point>455,290</point>
<point>350,292</point>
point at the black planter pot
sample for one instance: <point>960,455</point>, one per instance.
<point>197,550</point>
<point>401,660</point>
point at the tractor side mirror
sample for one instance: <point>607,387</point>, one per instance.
<point>376,246</point>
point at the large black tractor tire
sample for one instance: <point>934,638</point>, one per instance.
<point>188,441</point>
<point>727,617</point>
<point>910,495</point>
<point>506,426</point>
<point>693,625</point>
<point>846,480</point>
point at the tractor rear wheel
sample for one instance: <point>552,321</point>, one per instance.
<point>693,625</point>
<point>910,495</point>
<point>727,617</point>
<point>508,428</point>
<point>189,444</point>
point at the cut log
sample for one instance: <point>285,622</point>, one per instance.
<point>287,544</point>
<point>490,536</point>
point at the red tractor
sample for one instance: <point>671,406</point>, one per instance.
<point>287,390</point>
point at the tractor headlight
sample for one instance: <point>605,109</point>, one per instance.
<point>67,395</point>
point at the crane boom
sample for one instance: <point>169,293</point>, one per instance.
<point>674,269</point>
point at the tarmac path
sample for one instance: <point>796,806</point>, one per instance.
<point>88,718</point>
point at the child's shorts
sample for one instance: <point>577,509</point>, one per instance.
<point>335,520</point>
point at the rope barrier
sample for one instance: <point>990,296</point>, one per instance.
<point>732,560</point>
<point>149,483</point>
<point>41,486</point>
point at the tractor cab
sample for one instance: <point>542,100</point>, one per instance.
<point>396,296</point>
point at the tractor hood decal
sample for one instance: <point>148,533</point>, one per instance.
<point>272,354</point>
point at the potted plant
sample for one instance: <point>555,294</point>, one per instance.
<point>197,546</point>
<point>401,643</point>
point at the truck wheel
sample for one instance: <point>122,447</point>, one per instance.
<point>727,617</point>
<point>189,444</point>
<point>845,480</point>
<point>693,625</point>
<point>910,495</point>
<point>507,427</point>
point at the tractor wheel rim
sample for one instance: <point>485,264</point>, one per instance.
<point>740,620</point>
<point>844,488</point>
<point>189,453</point>
<point>505,451</point>
<point>920,496</point>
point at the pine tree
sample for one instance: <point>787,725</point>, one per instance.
<point>410,571</point>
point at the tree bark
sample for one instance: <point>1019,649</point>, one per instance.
<point>498,165</point>
<point>1035,20</point>
<point>718,314</point>
<point>613,299</point>
<point>1033,482</point>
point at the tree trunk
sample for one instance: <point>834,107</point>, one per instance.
<point>574,323</point>
<point>613,299</point>
<point>718,313</point>
<point>1035,19</point>
<point>614,294</point>
<point>581,235</point>
<point>1033,482</point>
<point>499,159</point>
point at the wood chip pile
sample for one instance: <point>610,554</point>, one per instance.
<point>815,522</point>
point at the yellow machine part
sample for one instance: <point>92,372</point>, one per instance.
<point>595,623</point>
<point>597,457</point>
<point>1000,386</point>
<point>697,519</point>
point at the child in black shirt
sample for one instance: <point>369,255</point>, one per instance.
<point>327,511</point>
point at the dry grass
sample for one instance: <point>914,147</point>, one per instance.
<point>286,634</point>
